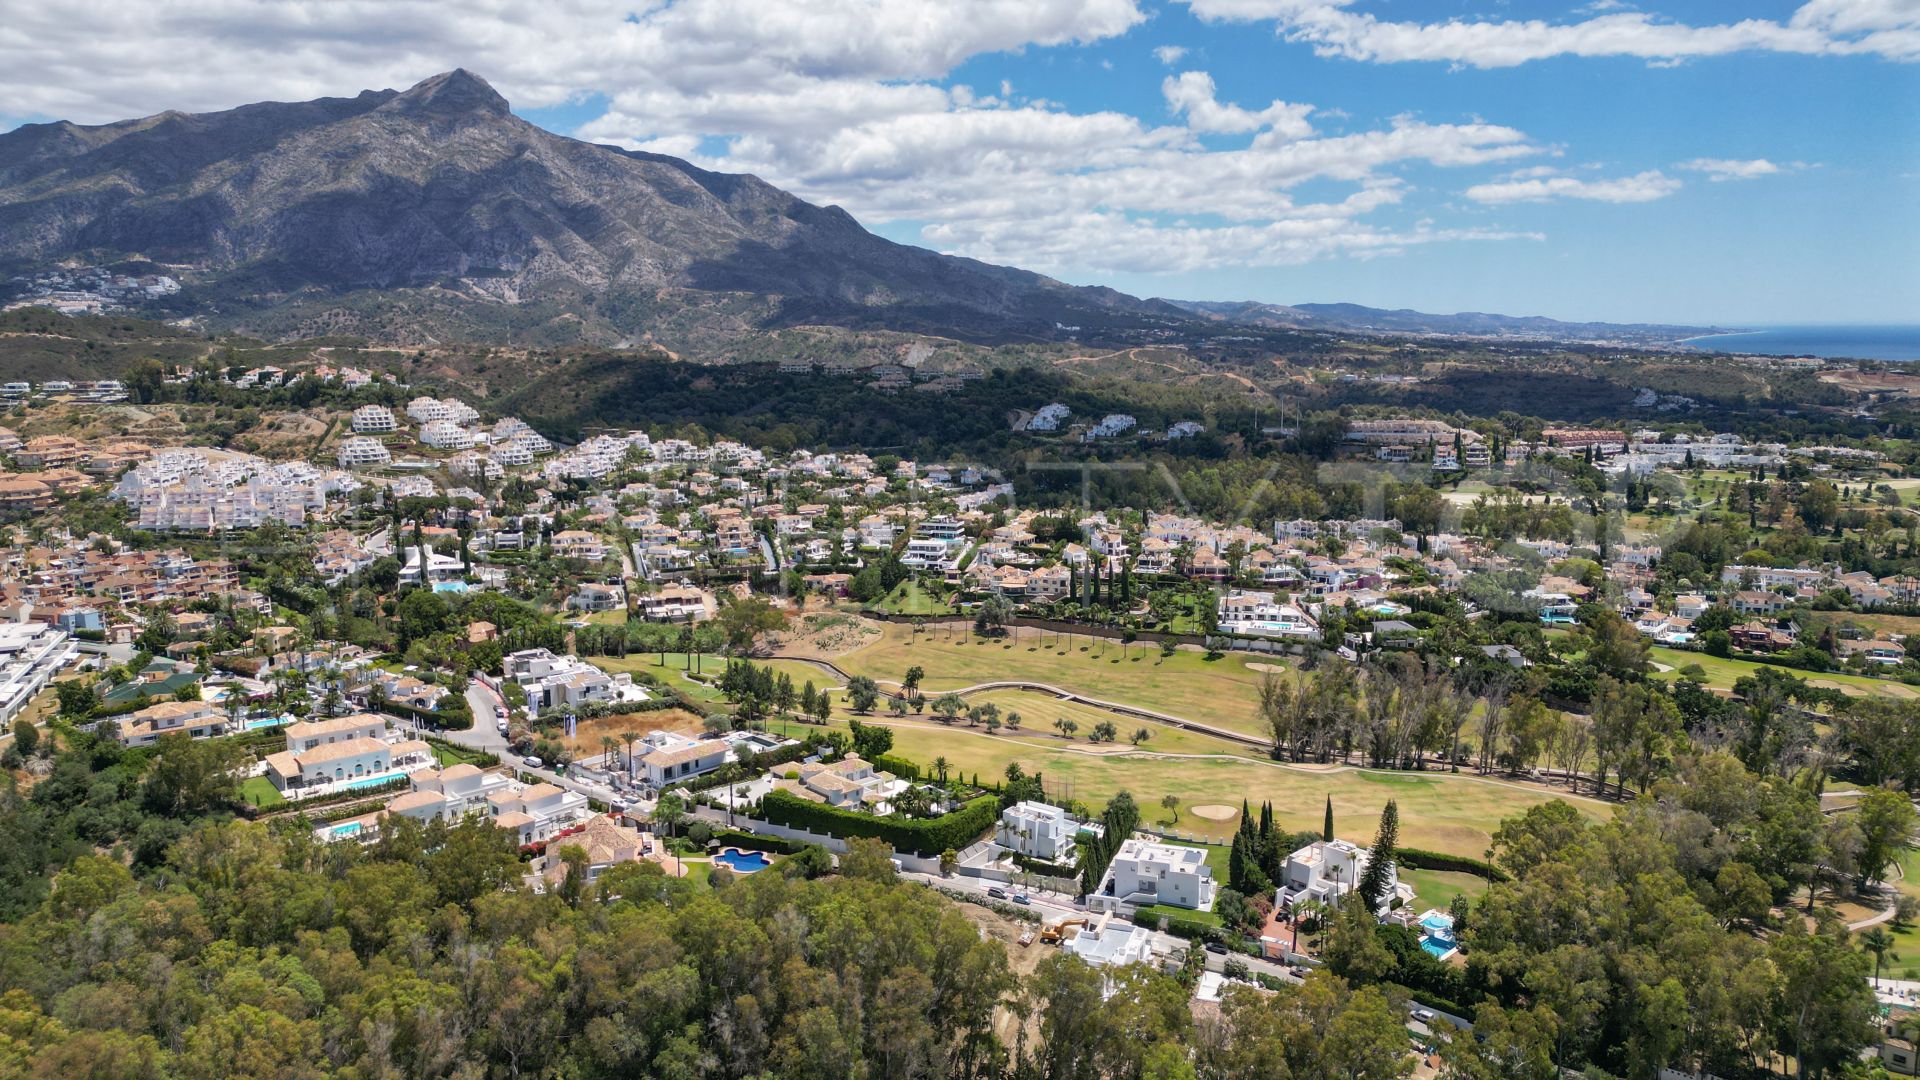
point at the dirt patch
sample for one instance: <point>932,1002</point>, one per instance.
<point>1277,669</point>
<point>1215,811</point>
<point>1022,959</point>
<point>824,635</point>
<point>585,743</point>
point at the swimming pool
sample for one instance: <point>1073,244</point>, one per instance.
<point>1438,948</point>
<point>743,862</point>
<point>373,781</point>
<point>1438,922</point>
<point>351,828</point>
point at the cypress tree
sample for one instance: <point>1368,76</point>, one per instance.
<point>1373,883</point>
<point>1326,830</point>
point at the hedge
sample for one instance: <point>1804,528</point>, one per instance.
<point>898,766</point>
<point>920,836</point>
<point>1435,860</point>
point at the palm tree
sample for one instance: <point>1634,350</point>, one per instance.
<point>940,767</point>
<point>630,737</point>
<point>1878,942</point>
<point>607,743</point>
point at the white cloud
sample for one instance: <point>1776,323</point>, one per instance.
<point>1191,93</point>
<point>1885,28</point>
<point>1169,54</point>
<point>1729,169</point>
<point>1535,186</point>
<point>840,101</point>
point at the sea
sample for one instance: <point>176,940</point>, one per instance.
<point>1884,342</point>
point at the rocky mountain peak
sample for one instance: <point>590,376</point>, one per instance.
<point>451,93</point>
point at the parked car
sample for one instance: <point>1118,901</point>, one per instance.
<point>500,712</point>
<point>1216,947</point>
<point>997,892</point>
<point>1022,898</point>
<point>532,762</point>
<point>1423,1015</point>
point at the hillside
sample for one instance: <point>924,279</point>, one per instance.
<point>437,211</point>
<point>1355,317</point>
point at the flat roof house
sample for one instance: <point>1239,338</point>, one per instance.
<point>1148,872</point>
<point>1038,831</point>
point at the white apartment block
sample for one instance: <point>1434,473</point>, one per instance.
<point>1147,872</point>
<point>373,419</point>
<point>425,410</point>
<point>362,452</point>
<point>446,435</point>
<point>30,654</point>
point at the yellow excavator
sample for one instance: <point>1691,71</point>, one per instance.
<point>1055,933</point>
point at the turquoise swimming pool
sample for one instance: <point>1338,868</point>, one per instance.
<point>373,781</point>
<point>743,862</point>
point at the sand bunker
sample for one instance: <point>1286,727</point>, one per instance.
<point>1215,811</point>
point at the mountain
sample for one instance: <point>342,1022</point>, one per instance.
<point>1354,317</point>
<point>439,194</point>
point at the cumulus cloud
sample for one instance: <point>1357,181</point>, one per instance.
<point>1191,93</point>
<point>1885,28</point>
<point>1536,186</point>
<point>1169,54</point>
<point>1729,169</point>
<point>842,101</point>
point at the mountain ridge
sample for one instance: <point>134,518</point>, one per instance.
<point>441,186</point>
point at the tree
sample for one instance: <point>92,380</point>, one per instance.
<point>26,737</point>
<point>911,683</point>
<point>948,860</point>
<point>870,740</point>
<point>190,777</point>
<point>862,693</point>
<point>668,812</point>
<point>1375,881</point>
<point>1878,942</point>
<point>868,860</point>
<point>1326,827</point>
<point>744,621</point>
<point>1171,802</point>
<point>1886,821</point>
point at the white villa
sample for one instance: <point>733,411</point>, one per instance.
<point>343,759</point>
<point>1148,872</point>
<point>1259,614</point>
<point>537,812</point>
<point>1326,870</point>
<point>1038,831</point>
<point>665,757</point>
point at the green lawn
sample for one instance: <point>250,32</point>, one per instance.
<point>1723,672</point>
<point>1438,811</point>
<point>1225,692</point>
<point>446,755</point>
<point>259,791</point>
<point>1437,888</point>
<point>1903,962</point>
<point>1148,915</point>
<point>911,598</point>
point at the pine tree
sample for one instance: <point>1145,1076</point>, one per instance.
<point>1373,883</point>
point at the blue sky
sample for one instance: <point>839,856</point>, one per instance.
<point>1677,161</point>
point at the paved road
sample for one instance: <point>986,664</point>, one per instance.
<point>485,735</point>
